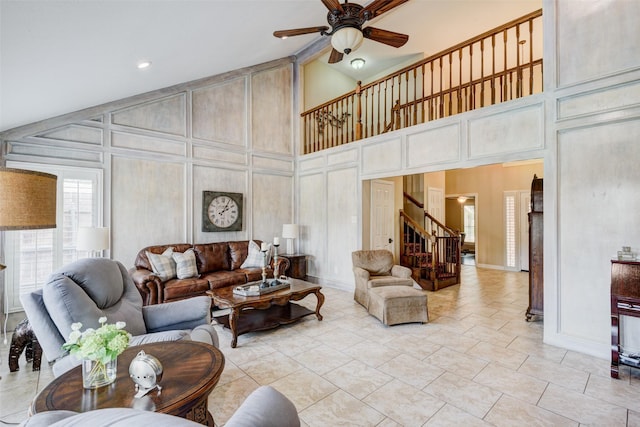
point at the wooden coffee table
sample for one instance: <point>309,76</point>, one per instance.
<point>258,313</point>
<point>190,371</point>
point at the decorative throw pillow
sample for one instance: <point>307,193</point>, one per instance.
<point>185,264</point>
<point>163,264</point>
<point>254,257</point>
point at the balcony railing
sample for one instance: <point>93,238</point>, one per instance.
<point>499,65</point>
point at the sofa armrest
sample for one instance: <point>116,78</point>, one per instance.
<point>283,266</point>
<point>401,271</point>
<point>149,285</point>
<point>184,314</point>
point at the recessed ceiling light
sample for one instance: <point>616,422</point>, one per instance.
<point>144,64</point>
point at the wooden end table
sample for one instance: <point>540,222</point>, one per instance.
<point>190,371</point>
<point>258,313</point>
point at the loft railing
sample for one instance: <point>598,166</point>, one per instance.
<point>499,65</point>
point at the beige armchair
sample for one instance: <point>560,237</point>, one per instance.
<point>386,290</point>
<point>376,268</point>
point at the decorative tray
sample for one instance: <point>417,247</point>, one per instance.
<point>253,289</point>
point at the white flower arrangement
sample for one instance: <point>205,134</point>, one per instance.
<point>101,345</point>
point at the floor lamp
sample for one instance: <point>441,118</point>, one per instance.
<point>27,202</point>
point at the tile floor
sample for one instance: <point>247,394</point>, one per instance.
<point>477,362</point>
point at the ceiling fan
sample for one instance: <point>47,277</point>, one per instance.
<point>346,22</point>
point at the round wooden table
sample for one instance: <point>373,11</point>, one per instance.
<point>190,371</point>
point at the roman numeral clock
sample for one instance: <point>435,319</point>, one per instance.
<point>221,211</point>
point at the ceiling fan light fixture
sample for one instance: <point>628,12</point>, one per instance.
<point>357,63</point>
<point>347,39</point>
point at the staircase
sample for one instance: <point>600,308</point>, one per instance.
<point>433,257</point>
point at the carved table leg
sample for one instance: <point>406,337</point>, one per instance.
<point>233,325</point>
<point>320,302</point>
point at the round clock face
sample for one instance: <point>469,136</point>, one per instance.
<point>223,211</point>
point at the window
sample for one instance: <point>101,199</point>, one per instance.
<point>32,255</point>
<point>469,221</point>
<point>510,229</point>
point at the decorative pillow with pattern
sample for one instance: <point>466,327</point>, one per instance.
<point>185,264</point>
<point>163,264</point>
<point>254,257</point>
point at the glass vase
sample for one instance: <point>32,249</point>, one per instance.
<point>97,374</point>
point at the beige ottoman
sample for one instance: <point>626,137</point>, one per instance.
<point>398,304</point>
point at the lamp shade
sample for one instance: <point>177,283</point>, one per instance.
<point>347,39</point>
<point>92,238</point>
<point>290,231</point>
<point>27,199</point>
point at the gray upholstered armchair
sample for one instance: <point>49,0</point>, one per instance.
<point>375,268</point>
<point>88,289</point>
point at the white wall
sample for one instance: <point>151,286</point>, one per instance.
<point>586,127</point>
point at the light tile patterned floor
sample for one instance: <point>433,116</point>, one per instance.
<point>476,363</point>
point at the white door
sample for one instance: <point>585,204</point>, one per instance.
<point>525,208</point>
<point>435,206</point>
<point>382,215</point>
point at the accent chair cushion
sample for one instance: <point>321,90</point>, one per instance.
<point>185,264</point>
<point>163,264</point>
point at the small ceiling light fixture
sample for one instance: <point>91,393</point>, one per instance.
<point>357,63</point>
<point>144,64</point>
<point>462,199</point>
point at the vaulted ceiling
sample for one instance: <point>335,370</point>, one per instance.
<point>59,56</point>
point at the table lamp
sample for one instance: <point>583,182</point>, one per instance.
<point>27,202</point>
<point>92,239</point>
<point>290,232</point>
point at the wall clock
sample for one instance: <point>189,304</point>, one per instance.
<point>221,211</point>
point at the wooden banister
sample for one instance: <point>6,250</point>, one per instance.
<point>429,89</point>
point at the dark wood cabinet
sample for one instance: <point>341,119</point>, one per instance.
<point>297,267</point>
<point>625,301</point>
<point>536,240</point>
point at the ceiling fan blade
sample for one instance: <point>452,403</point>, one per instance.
<point>299,31</point>
<point>385,36</point>
<point>335,56</point>
<point>333,5</point>
<point>378,7</point>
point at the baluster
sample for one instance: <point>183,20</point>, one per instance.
<point>359,111</point>
<point>518,63</point>
<point>385,104</point>
<point>471,105</point>
<point>450,88</point>
<point>504,65</point>
<point>441,109</point>
<point>422,98</point>
<point>431,98</point>
<point>378,111</point>
<point>393,97</point>
<point>530,56</point>
<point>459,91</point>
<point>407,113</point>
<point>371,114</point>
<point>482,73</point>
<point>493,69</point>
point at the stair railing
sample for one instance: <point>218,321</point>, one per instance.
<point>499,65</point>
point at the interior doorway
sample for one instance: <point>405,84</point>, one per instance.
<point>382,215</point>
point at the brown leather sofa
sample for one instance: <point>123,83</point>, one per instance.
<point>218,266</point>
